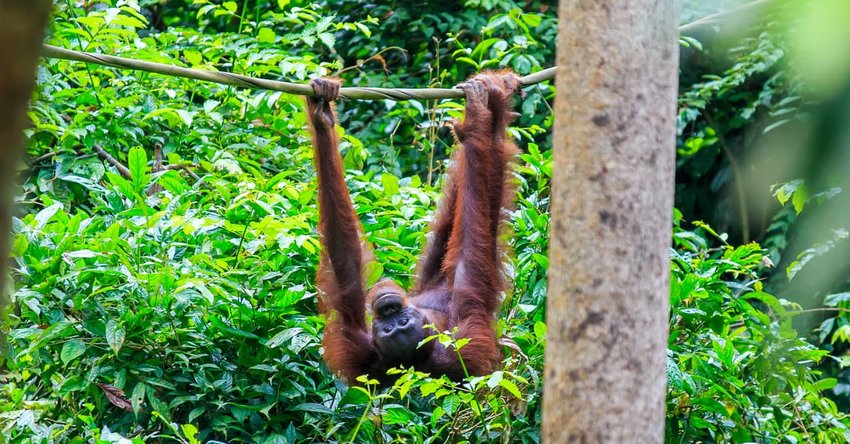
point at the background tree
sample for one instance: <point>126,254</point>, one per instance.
<point>612,190</point>
<point>22,25</point>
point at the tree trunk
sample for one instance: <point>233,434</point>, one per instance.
<point>22,24</point>
<point>612,203</point>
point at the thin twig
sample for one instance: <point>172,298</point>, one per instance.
<point>191,173</point>
<point>44,157</point>
<point>157,167</point>
<point>113,161</point>
<point>754,8</point>
<point>738,176</point>
<point>180,166</point>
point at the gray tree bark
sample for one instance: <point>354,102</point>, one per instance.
<point>612,203</point>
<point>22,24</point>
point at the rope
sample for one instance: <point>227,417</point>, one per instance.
<point>226,78</point>
<point>355,92</point>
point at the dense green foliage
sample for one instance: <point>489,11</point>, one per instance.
<point>737,371</point>
<point>168,306</point>
<point>762,157</point>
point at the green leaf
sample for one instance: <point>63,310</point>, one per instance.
<point>189,432</point>
<point>196,412</point>
<point>494,379</point>
<point>396,414</point>
<point>220,324</point>
<point>390,184</point>
<point>58,330</point>
<point>124,186</point>
<point>540,330</point>
<point>137,163</point>
<point>510,387</point>
<point>114,335</point>
<point>193,57</point>
<point>313,407</point>
<point>266,35</point>
<point>45,215</point>
<point>354,396</point>
<point>469,61</point>
<point>20,245</point>
<point>532,20</point>
<point>283,336</point>
<point>138,397</point>
<point>366,31</point>
<point>159,406</point>
<point>172,182</point>
<point>835,299</point>
<point>826,384</point>
<point>230,6</point>
<point>328,39</point>
<point>72,350</point>
<point>185,116</point>
<point>801,196</point>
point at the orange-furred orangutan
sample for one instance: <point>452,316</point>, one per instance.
<point>459,279</point>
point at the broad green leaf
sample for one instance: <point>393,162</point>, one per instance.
<point>313,407</point>
<point>540,330</point>
<point>72,350</point>
<point>353,396</point>
<point>58,330</point>
<point>266,35</point>
<point>46,214</point>
<point>193,57</point>
<point>231,330</point>
<point>390,184</point>
<point>826,384</point>
<point>125,187</point>
<point>20,245</point>
<point>801,196</point>
<point>138,397</point>
<point>196,413</point>
<point>366,31</point>
<point>494,379</point>
<point>328,38</point>
<point>533,20</point>
<point>230,6</point>
<point>189,432</point>
<point>510,387</point>
<point>137,163</point>
<point>469,61</point>
<point>159,406</point>
<point>396,414</point>
<point>283,336</point>
<point>114,335</point>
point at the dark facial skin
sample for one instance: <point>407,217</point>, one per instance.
<point>397,329</point>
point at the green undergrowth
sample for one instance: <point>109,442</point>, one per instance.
<point>169,306</point>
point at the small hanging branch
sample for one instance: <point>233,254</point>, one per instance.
<point>187,168</point>
<point>124,171</point>
<point>157,167</point>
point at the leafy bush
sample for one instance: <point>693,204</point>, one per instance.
<point>195,306</point>
<point>737,371</point>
